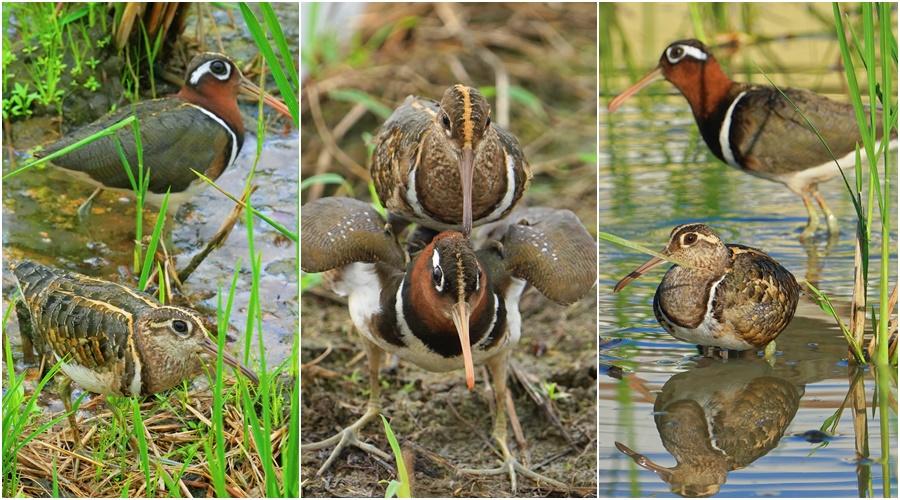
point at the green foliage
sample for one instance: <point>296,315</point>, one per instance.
<point>19,102</point>
<point>397,487</point>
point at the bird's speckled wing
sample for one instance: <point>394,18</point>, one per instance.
<point>88,328</point>
<point>759,295</point>
<point>337,231</point>
<point>175,137</point>
<point>763,119</point>
<point>552,250</point>
<point>396,147</point>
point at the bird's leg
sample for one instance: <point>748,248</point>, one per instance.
<point>498,367</point>
<point>65,392</point>
<point>349,436</point>
<point>84,210</point>
<point>830,219</point>
<point>813,223</point>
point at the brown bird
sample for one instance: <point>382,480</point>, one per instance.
<point>452,307</point>
<point>727,296</point>
<point>110,339</point>
<point>445,165</point>
<point>756,130</point>
<point>198,128</point>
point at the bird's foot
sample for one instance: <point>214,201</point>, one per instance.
<point>511,466</point>
<point>349,436</point>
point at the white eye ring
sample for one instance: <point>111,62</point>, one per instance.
<point>686,50</point>
<point>206,69</point>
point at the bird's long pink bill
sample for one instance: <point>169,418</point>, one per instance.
<point>230,360</point>
<point>249,88</point>
<point>633,275</point>
<point>460,314</point>
<point>649,78</point>
<point>466,174</point>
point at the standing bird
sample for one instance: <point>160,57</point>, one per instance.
<point>445,165</point>
<point>451,307</point>
<point>755,129</point>
<point>110,339</point>
<point>727,296</point>
<point>198,128</point>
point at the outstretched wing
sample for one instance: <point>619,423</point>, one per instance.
<point>338,231</point>
<point>552,250</point>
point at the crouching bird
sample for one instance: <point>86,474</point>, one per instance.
<point>450,307</point>
<point>110,339</point>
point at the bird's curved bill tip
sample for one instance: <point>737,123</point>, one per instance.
<point>649,78</point>
<point>249,88</point>
<point>460,314</point>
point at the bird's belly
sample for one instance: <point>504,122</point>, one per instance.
<point>417,353</point>
<point>108,382</point>
<point>710,332</point>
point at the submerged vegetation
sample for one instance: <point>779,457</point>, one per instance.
<point>222,437</point>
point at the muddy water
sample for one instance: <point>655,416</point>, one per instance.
<point>656,173</point>
<point>40,221</point>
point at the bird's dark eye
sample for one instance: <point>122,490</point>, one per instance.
<point>676,53</point>
<point>218,67</point>
<point>446,121</point>
<point>437,277</point>
<point>180,326</point>
<point>690,238</point>
<point>488,122</point>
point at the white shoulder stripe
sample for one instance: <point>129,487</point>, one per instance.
<point>510,189</point>
<point>725,133</point>
<point>234,138</point>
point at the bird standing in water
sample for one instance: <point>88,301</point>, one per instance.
<point>758,130</point>
<point>199,128</point>
<point>720,295</point>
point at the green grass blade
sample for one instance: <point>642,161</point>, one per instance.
<point>616,240</point>
<point>288,93</point>
<point>403,490</point>
<point>143,452</point>
<point>154,242</point>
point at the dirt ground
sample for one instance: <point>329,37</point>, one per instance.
<point>549,51</point>
<point>438,420</point>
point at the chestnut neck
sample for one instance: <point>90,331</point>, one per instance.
<point>704,89</point>
<point>219,101</point>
